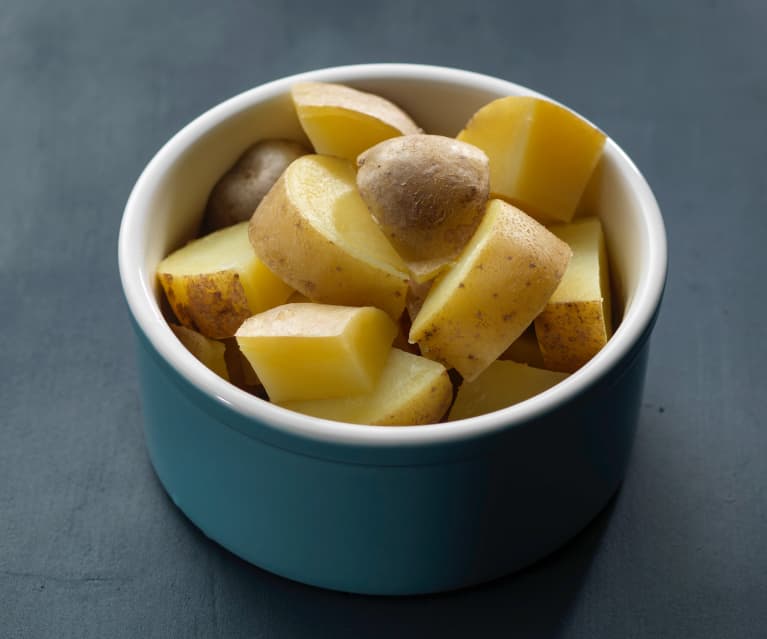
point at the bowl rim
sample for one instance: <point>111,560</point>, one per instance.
<point>143,305</point>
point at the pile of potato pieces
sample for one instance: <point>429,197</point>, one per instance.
<point>347,282</point>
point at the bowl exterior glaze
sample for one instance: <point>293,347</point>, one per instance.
<point>389,517</point>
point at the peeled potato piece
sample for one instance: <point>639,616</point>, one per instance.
<point>411,390</point>
<point>316,351</point>
<point>216,282</point>
<point>315,232</point>
<point>343,122</point>
<point>502,280</point>
<point>208,351</point>
<point>428,194</point>
<point>541,154</point>
<point>240,190</point>
<point>500,385</point>
<point>576,322</point>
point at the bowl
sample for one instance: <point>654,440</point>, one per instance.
<point>368,509</point>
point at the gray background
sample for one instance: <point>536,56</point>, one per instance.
<point>89,544</point>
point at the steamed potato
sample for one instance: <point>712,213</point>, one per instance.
<point>209,351</point>
<point>576,322</point>
<point>427,193</point>
<point>541,154</point>
<point>216,282</point>
<point>525,349</point>
<point>503,279</point>
<point>240,190</point>
<point>317,351</point>
<point>500,385</point>
<point>411,390</point>
<point>315,232</point>
<point>343,122</point>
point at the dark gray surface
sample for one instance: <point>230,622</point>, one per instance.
<point>89,544</point>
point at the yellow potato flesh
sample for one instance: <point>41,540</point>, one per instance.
<point>315,351</point>
<point>315,232</point>
<point>217,281</point>
<point>541,154</point>
<point>577,321</point>
<point>208,351</point>
<point>411,390</point>
<point>525,350</point>
<point>502,384</point>
<point>501,281</point>
<point>344,122</point>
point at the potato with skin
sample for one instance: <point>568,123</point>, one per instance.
<point>525,350</point>
<point>502,280</point>
<point>216,282</point>
<point>317,351</point>
<point>209,351</point>
<point>577,320</point>
<point>315,232</point>
<point>412,390</point>
<point>428,194</point>
<point>343,122</point>
<point>240,190</point>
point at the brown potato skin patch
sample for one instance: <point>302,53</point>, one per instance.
<point>570,334</point>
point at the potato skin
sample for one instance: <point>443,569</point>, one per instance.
<point>314,265</point>
<point>428,194</point>
<point>240,190</point>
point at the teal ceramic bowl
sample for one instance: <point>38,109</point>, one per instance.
<point>374,509</point>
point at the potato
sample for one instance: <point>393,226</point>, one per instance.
<point>216,282</point>
<point>317,351</point>
<point>541,154</point>
<point>576,323</point>
<point>502,280</point>
<point>411,390</point>
<point>343,122</point>
<point>500,385</point>
<point>241,373</point>
<point>208,351</point>
<point>428,194</point>
<point>315,232</point>
<point>240,190</point>
<point>525,349</point>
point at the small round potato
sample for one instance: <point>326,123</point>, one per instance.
<point>240,190</point>
<point>428,194</point>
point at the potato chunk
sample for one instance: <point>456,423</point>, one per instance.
<point>502,280</point>
<point>428,194</point>
<point>576,323</point>
<point>525,350</point>
<point>411,390</point>
<point>343,122</point>
<point>216,282</point>
<point>316,351</point>
<point>241,189</point>
<point>500,385</point>
<point>209,351</point>
<point>315,232</point>
<point>541,154</point>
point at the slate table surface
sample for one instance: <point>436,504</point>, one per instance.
<point>90,546</point>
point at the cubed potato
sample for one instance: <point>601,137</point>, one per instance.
<point>412,390</point>
<point>216,282</point>
<point>241,373</point>
<point>209,351</point>
<point>317,351</point>
<point>500,385</point>
<point>343,122</point>
<point>541,154</point>
<point>577,321</point>
<point>315,232</point>
<point>501,281</point>
<point>525,350</point>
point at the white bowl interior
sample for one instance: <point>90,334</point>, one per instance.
<point>167,203</point>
